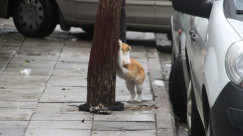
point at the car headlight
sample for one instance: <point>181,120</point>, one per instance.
<point>234,63</point>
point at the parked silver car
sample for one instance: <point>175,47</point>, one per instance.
<point>38,18</point>
<point>206,80</point>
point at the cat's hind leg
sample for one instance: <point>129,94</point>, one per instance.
<point>131,86</point>
<point>139,92</point>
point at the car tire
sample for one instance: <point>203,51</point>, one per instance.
<point>169,35</point>
<point>177,89</point>
<point>35,18</point>
<point>197,128</point>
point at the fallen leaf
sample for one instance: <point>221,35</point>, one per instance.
<point>135,107</point>
<point>27,61</point>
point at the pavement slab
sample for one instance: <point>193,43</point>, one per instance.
<point>57,132</point>
<point>15,71</point>
<point>11,114</point>
<point>12,132</point>
<point>31,63</point>
<point>18,105</point>
<point>72,65</point>
<point>86,125</point>
<point>119,126</point>
<point>64,94</point>
<point>33,56</point>
<point>126,117</point>
<point>13,124</point>
<point>62,116</point>
<point>67,81</point>
<point>58,108</point>
<point>124,133</point>
<point>22,93</point>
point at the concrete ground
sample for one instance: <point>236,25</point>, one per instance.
<point>44,103</point>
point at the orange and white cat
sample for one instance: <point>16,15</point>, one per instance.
<point>130,70</point>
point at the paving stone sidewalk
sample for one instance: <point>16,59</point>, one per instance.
<point>45,102</point>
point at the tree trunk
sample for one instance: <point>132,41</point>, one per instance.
<point>103,56</point>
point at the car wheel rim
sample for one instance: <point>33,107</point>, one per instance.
<point>189,105</point>
<point>30,14</point>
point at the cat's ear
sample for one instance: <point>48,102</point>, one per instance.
<point>120,43</point>
<point>129,48</point>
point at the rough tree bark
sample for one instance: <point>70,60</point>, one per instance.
<point>103,56</point>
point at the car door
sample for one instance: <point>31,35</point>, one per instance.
<point>163,11</point>
<point>198,35</point>
<point>137,11</point>
<point>140,11</point>
<point>85,10</point>
<point>66,8</point>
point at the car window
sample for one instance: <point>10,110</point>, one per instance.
<point>234,9</point>
<point>238,4</point>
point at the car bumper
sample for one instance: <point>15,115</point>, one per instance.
<point>227,112</point>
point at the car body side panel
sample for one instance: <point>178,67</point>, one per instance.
<point>85,11</point>
<point>163,11</point>
<point>4,8</point>
<point>219,31</point>
<point>180,22</point>
<point>175,35</point>
<point>185,27</point>
<point>200,26</point>
<point>66,7</point>
<point>183,57</point>
<point>140,11</point>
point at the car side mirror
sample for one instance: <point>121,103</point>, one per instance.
<point>201,8</point>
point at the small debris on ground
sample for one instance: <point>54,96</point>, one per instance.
<point>101,109</point>
<point>25,72</point>
<point>159,83</point>
<point>142,107</point>
<point>27,61</point>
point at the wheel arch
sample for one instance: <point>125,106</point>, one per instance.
<point>7,7</point>
<point>11,3</point>
<point>186,66</point>
<point>57,10</point>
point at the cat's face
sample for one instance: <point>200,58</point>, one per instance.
<point>125,47</point>
<point>125,51</point>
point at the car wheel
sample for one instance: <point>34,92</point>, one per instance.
<point>195,125</point>
<point>35,18</point>
<point>169,36</point>
<point>177,89</point>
